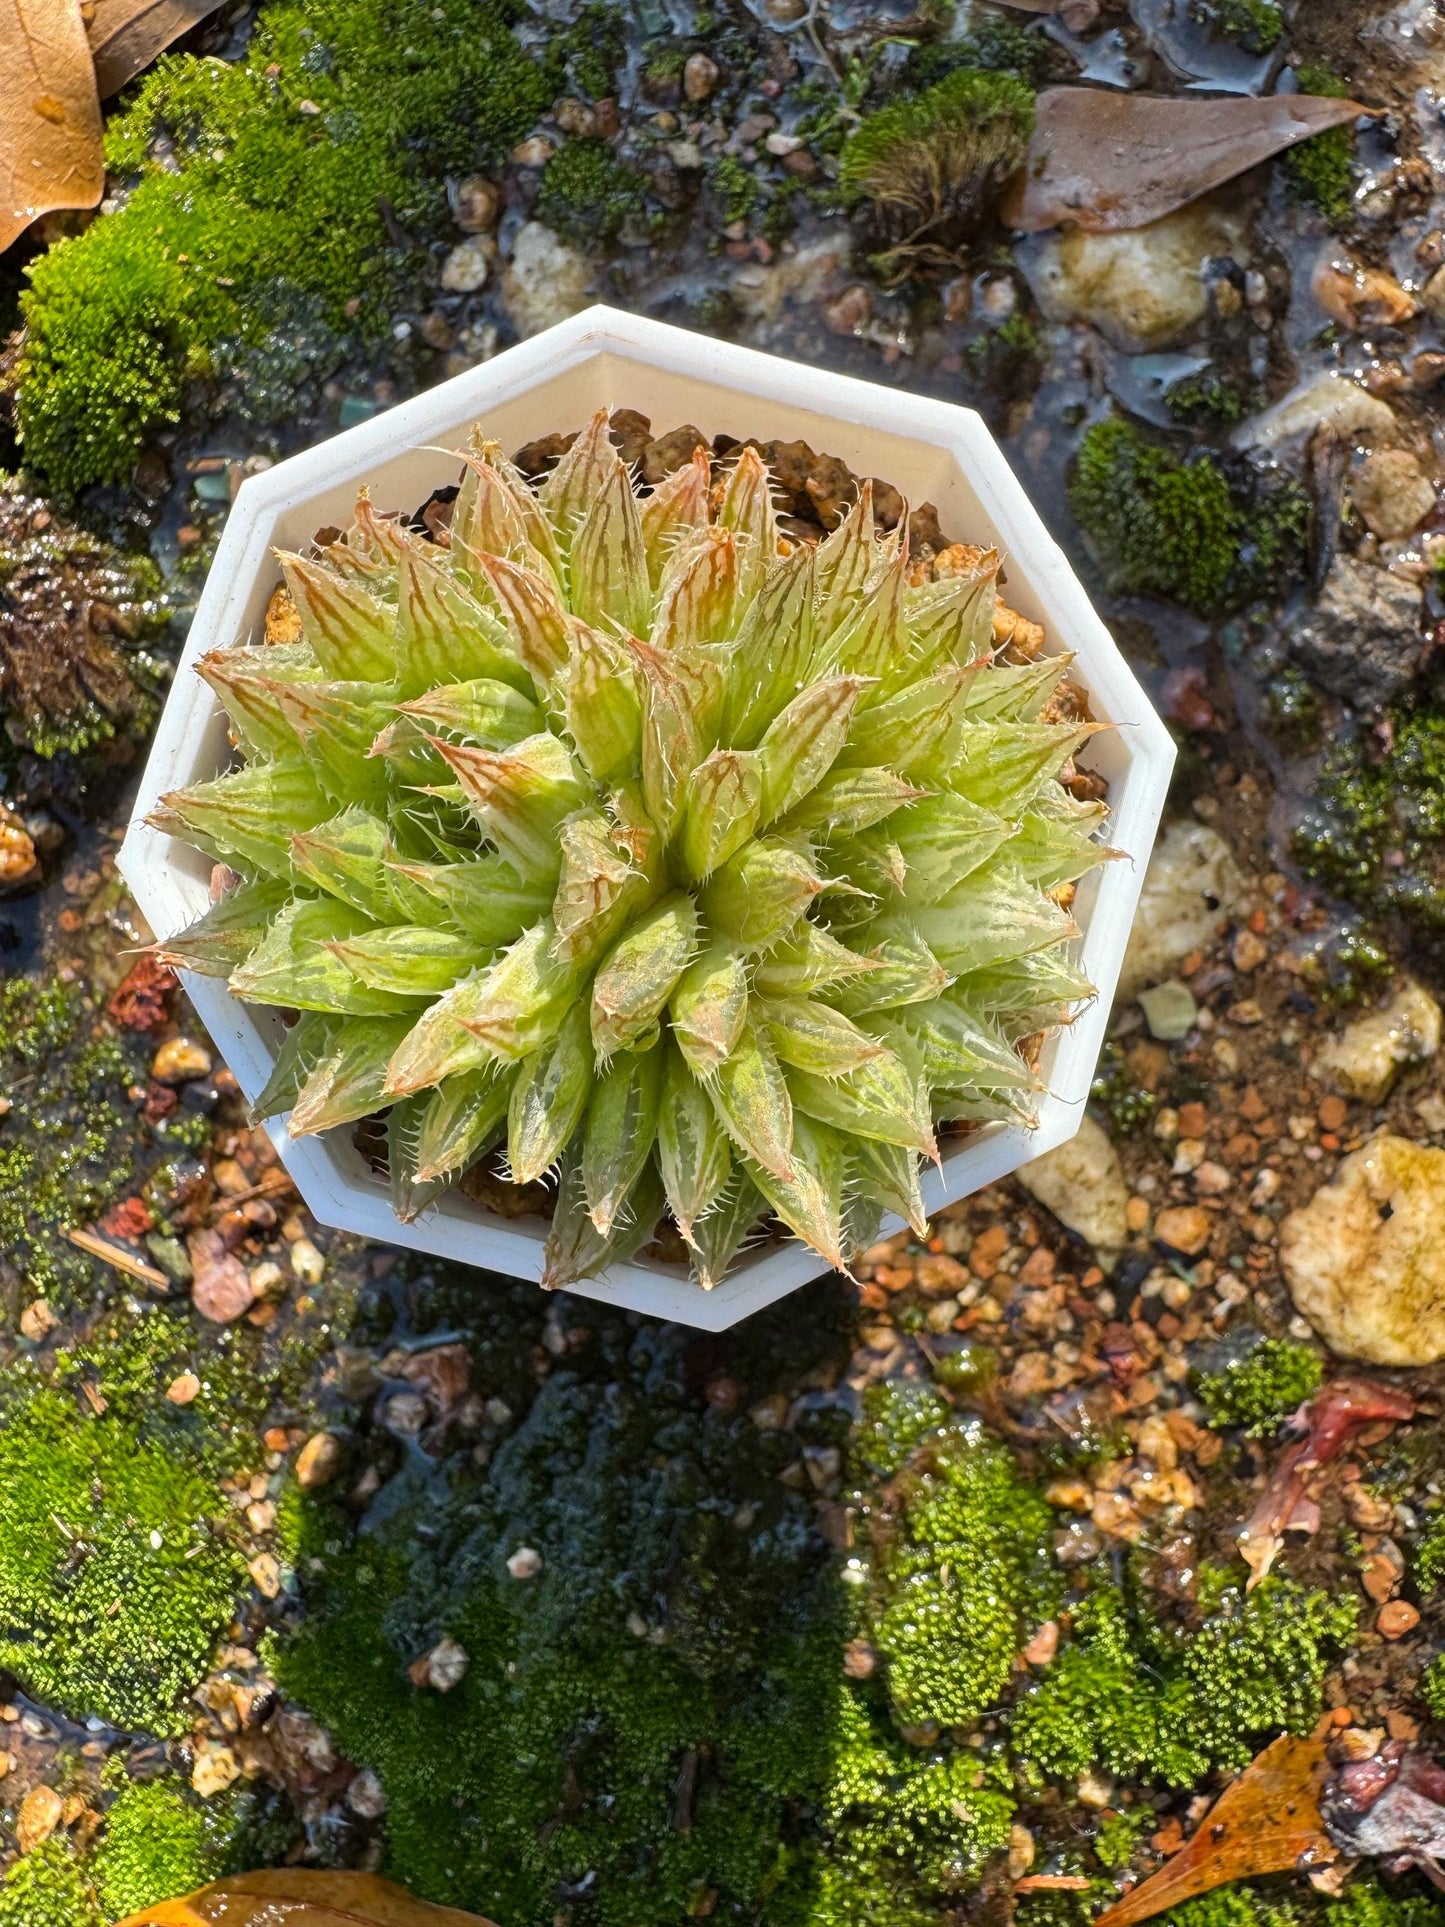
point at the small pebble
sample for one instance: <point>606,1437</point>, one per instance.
<point>318,1461</point>
<point>307,1262</point>
<point>478,203</point>
<point>1396,1618</point>
<point>37,1321</point>
<point>179,1060</point>
<point>41,1812</point>
<point>183,1389</point>
<point>1170,1010</point>
<point>525,1563</point>
<point>366,1796</point>
<point>699,77</point>
<point>467,266</point>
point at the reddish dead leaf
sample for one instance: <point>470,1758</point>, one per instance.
<point>1330,1419</point>
<point>142,1002</point>
<point>131,1218</point>
<point>126,35</point>
<point>1267,1822</point>
<point>305,1900</point>
<point>50,125</point>
<point>1109,160</point>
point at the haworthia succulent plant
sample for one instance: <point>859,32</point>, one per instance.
<point>628,838</point>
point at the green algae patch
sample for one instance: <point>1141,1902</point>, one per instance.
<point>1164,525</point>
<point>282,189</point>
<point>158,1843</point>
<point>115,1576</point>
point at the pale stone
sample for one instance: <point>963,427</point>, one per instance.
<point>467,266</point>
<point>545,281</point>
<point>307,1262</point>
<point>1082,1183</point>
<point>366,1796</point>
<point>37,1321</point>
<point>1367,1056</point>
<point>1192,881</point>
<point>41,1812</point>
<point>216,1768</point>
<point>1170,1010</point>
<point>699,77</point>
<point>1364,1259</point>
<point>1329,401</point>
<point>525,1563</point>
<point>1142,288</point>
<point>318,1461</point>
<point>1392,492</point>
<point>801,277</point>
<point>179,1060</point>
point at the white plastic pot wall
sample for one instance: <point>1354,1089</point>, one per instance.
<point>929,450</point>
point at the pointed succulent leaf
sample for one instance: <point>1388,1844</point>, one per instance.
<point>227,933</point>
<point>917,732</point>
<point>751,1095</point>
<point>247,680</point>
<point>1004,765</point>
<point>1035,982</point>
<point>693,1152</point>
<point>849,800</point>
<point>638,974</point>
<point>952,620</point>
<point>491,714</point>
<point>804,741</point>
<point>409,959</point>
<point>888,1174</point>
<point>681,700</point>
<point>519,796</point>
<point>907,973</point>
<point>709,1007</point>
<point>603,709</point>
<point>990,917</point>
<point>337,723</point>
<point>463,1117</point>
<point>485,897</point>
<point>872,641</point>
<point>576,1249</point>
<point>721,805</point>
<point>811,1036</point>
<point>521,998</point>
<point>610,584</point>
<point>576,481</point>
<point>774,650</point>
<point>676,506</point>
<point>1006,692</point>
<point>759,894</point>
<point>249,815</point>
<point>439,1045</point>
<point>619,1132</point>
<point>746,508</point>
<point>534,614</point>
<point>811,1202</point>
<point>699,591</point>
<point>352,634</point>
<point>809,958</point>
<point>1057,843</point>
<point>497,514</point>
<point>293,967</point>
<point>959,1052</point>
<point>349,1078</point>
<point>302,1049</point>
<point>937,842</point>
<point>602,884</point>
<point>410,1192</point>
<point>844,562</point>
<point>444,634</point>
<point>345,857</point>
<point>549,1098</point>
<point>720,1234</point>
<point>882,1098</point>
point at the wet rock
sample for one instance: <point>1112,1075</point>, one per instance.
<point>1364,1259</point>
<point>800,276</point>
<point>1082,1183</point>
<point>545,281</point>
<point>366,1796</point>
<point>18,860</point>
<point>1142,288</point>
<point>38,1321</point>
<point>467,266</point>
<point>179,1060</point>
<point>1367,1056</point>
<point>307,1263</point>
<point>1329,401</point>
<point>220,1283</point>
<point>41,1812</point>
<point>1392,492</point>
<point>699,77</point>
<point>216,1768</point>
<point>478,202</point>
<point>1192,881</point>
<point>1362,637</point>
<point>1358,298</point>
<point>318,1461</point>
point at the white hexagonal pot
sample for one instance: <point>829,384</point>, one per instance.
<point>601,358</point>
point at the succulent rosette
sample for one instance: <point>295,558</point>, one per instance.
<point>709,870</point>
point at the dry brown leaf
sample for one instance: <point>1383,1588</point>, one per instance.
<point>283,1895</point>
<point>49,115</point>
<point>1108,160</point>
<point>1268,1821</point>
<point>126,35</point>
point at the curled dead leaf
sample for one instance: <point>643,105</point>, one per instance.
<point>126,35</point>
<point>1107,160</point>
<point>50,153</point>
<point>304,1900</point>
<point>1268,1821</point>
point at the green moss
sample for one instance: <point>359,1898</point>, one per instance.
<point>1174,527</point>
<point>1209,400</point>
<point>1321,170</point>
<point>593,49</point>
<point>1367,1901</point>
<point>587,193</point>
<point>158,1844</point>
<point>1430,1554</point>
<point>115,1575</point>
<point>1126,1104</point>
<point>961,1579</point>
<point>736,187</point>
<point>1253,25</point>
<point>1375,834</point>
<point>291,177</point>
<point>1261,1390</point>
<point>1144,1702</point>
<point>67,1148</point>
<point>1120,1832</point>
<point>992,46</point>
<point>48,1888</point>
<point>931,167</point>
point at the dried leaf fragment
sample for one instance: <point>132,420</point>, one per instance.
<point>126,35</point>
<point>1268,1821</point>
<point>50,132</point>
<point>1108,160</point>
<point>305,1900</point>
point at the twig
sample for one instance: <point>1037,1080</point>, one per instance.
<point>121,1259</point>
